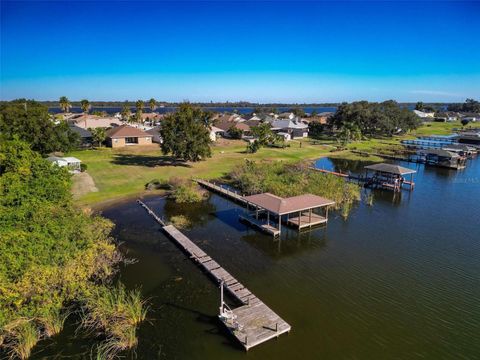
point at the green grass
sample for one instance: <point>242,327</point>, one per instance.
<point>441,128</point>
<point>122,173</point>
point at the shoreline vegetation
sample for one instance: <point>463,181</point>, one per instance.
<point>58,261</point>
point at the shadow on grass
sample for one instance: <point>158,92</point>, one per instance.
<point>147,160</point>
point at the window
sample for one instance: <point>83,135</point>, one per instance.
<point>131,140</point>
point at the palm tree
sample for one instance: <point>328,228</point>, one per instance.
<point>126,112</point>
<point>153,104</point>
<point>85,104</point>
<point>140,105</point>
<point>64,104</point>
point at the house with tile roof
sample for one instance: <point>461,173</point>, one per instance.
<point>126,136</point>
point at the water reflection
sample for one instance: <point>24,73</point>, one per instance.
<point>198,213</point>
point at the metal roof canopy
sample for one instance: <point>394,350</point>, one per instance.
<point>391,169</point>
<point>281,206</point>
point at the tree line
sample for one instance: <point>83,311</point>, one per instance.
<point>366,119</point>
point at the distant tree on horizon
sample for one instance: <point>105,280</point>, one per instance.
<point>152,103</point>
<point>65,104</point>
<point>126,112</point>
<point>85,105</point>
<point>139,105</point>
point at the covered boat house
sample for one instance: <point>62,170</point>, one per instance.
<point>269,211</point>
<point>445,158</point>
<point>388,176</point>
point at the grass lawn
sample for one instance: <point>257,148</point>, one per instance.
<point>442,128</point>
<point>122,173</point>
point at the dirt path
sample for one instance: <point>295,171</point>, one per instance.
<point>82,184</point>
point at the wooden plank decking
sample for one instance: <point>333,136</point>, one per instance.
<point>269,229</point>
<point>223,191</point>
<point>255,322</point>
<point>306,221</point>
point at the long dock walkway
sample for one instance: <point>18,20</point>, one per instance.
<point>223,191</point>
<point>253,322</point>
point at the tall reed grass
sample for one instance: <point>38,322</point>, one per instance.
<point>20,337</point>
<point>117,312</point>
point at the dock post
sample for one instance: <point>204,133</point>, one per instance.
<point>221,297</point>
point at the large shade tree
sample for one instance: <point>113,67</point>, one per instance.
<point>363,118</point>
<point>185,134</point>
<point>30,121</point>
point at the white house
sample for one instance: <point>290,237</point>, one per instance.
<point>215,132</point>
<point>286,136</point>
<point>424,115</point>
<point>295,128</point>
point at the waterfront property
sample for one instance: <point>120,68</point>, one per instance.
<point>126,135</point>
<point>252,323</point>
<point>388,176</point>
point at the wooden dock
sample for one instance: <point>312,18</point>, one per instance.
<point>252,323</point>
<point>232,195</point>
<point>307,220</point>
<point>269,229</point>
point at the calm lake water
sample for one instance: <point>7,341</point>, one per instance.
<point>396,280</point>
<point>164,110</point>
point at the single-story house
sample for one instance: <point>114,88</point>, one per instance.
<point>286,136</point>
<point>215,132</point>
<point>152,118</point>
<point>126,135</point>
<point>86,121</point>
<point>86,138</point>
<point>286,115</point>
<point>227,125</point>
<point>156,136</point>
<point>295,128</point>
<point>424,115</point>
<point>470,117</point>
<point>72,163</point>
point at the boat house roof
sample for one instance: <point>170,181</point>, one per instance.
<point>390,168</point>
<point>280,206</point>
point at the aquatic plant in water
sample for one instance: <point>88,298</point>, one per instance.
<point>117,312</point>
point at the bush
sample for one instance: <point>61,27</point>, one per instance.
<point>186,191</point>
<point>287,180</point>
<point>253,147</point>
<point>83,167</point>
<point>156,184</point>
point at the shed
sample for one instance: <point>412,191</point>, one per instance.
<point>73,164</point>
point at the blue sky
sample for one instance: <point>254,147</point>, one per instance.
<point>254,51</point>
